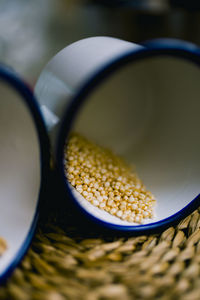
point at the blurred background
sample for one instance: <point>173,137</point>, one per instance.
<point>31,32</point>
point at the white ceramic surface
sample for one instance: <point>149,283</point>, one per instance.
<point>71,68</point>
<point>19,174</point>
<point>148,112</point>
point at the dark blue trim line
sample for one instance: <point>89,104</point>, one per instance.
<point>174,48</point>
<point>10,78</point>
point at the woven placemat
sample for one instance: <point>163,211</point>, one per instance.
<point>67,262</point>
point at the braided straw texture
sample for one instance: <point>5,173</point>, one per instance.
<point>66,262</point>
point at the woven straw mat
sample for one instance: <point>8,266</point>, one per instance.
<point>71,261</point>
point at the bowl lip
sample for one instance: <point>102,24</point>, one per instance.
<point>158,47</point>
<point>8,76</point>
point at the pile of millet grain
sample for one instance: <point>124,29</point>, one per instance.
<point>3,246</point>
<point>106,181</point>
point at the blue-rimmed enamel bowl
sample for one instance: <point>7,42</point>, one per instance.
<point>141,102</point>
<point>24,160</point>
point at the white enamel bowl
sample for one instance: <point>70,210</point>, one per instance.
<point>142,102</point>
<point>23,162</point>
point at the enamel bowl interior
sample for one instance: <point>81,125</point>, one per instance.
<point>148,112</point>
<point>19,176</point>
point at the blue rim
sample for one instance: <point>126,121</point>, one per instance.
<point>175,48</point>
<point>9,77</point>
